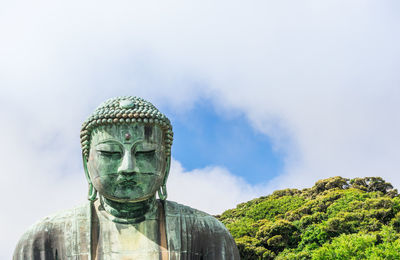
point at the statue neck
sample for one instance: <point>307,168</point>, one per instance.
<point>136,211</point>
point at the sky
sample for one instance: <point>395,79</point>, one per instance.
<point>263,95</point>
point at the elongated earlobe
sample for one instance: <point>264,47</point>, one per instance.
<point>162,192</point>
<point>92,193</point>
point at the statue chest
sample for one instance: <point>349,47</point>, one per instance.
<point>127,241</point>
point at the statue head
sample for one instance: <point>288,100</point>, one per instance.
<point>126,150</point>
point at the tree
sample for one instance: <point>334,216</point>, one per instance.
<point>337,218</point>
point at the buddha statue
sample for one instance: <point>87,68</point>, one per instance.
<point>126,150</point>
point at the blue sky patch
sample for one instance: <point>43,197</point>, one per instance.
<point>203,137</point>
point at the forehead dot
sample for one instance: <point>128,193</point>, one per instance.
<point>127,136</point>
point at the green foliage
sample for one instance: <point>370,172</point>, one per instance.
<point>337,218</point>
<point>351,246</point>
<point>250,248</point>
<point>274,207</point>
<point>383,245</point>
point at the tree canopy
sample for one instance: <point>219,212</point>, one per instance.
<point>338,218</point>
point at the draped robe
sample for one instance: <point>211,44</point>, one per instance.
<point>89,232</point>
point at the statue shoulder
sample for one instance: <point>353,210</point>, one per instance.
<point>173,208</point>
<point>194,215</point>
<point>208,236</point>
<point>48,233</point>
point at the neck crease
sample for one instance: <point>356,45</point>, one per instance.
<point>135,211</point>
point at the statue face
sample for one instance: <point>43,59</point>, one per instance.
<point>127,163</point>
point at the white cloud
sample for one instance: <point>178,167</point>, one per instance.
<point>320,77</point>
<point>212,189</point>
<point>35,183</point>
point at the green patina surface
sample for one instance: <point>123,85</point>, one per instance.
<point>126,148</point>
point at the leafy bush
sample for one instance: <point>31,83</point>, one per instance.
<point>337,218</point>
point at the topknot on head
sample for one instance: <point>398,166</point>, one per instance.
<point>125,110</point>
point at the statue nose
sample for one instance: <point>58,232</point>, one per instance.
<point>128,164</point>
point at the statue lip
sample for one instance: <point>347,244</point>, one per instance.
<point>126,181</point>
<point>132,180</point>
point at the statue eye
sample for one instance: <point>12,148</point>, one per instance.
<point>113,154</point>
<point>145,153</point>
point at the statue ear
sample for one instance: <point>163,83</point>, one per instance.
<point>162,191</point>
<point>86,169</point>
<point>167,168</point>
<point>92,193</point>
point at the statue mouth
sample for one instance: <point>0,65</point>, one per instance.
<point>127,181</point>
<point>148,173</point>
<point>132,179</point>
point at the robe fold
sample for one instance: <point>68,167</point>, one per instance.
<point>88,233</point>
